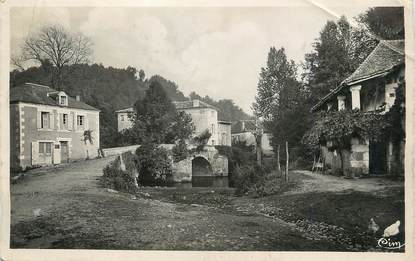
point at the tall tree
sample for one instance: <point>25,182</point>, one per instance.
<point>386,23</point>
<point>157,120</point>
<point>57,46</point>
<point>278,73</point>
<point>281,100</point>
<point>336,54</point>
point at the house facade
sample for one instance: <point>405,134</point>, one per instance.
<point>243,131</point>
<point>204,117</point>
<point>49,127</point>
<point>371,88</point>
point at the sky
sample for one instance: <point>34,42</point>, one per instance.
<point>215,51</point>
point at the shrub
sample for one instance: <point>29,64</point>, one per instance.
<point>154,164</point>
<point>180,151</point>
<point>117,179</point>
<point>237,156</point>
<point>245,177</point>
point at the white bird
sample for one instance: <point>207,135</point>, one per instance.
<point>392,230</point>
<point>373,227</point>
<point>36,212</point>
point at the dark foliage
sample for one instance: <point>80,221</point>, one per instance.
<point>154,164</point>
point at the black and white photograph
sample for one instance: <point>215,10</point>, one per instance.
<point>208,127</point>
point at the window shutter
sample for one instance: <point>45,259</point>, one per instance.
<point>51,120</point>
<point>39,119</point>
<point>86,123</point>
<point>60,122</point>
<point>35,152</point>
<point>70,121</point>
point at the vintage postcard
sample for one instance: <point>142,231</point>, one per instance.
<point>249,130</point>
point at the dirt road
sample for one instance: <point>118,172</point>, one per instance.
<point>66,207</point>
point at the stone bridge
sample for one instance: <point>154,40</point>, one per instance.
<point>207,162</point>
<point>202,163</point>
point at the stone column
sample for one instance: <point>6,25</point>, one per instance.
<point>341,103</point>
<point>355,90</point>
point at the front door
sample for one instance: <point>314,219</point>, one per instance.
<point>377,158</point>
<point>64,151</point>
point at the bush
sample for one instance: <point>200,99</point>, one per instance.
<point>154,164</point>
<point>117,179</point>
<point>245,177</point>
<point>237,156</point>
<point>180,151</point>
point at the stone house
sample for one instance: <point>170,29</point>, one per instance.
<point>204,117</point>
<point>243,131</point>
<point>48,127</point>
<point>370,88</point>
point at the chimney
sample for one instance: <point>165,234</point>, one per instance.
<point>196,103</point>
<point>78,97</point>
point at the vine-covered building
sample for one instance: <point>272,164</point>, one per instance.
<point>372,88</point>
<point>49,127</point>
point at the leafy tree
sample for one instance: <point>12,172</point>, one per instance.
<point>157,120</point>
<point>278,73</point>
<point>154,164</point>
<point>336,54</point>
<point>141,75</point>
<point>384,22</point>
<point>282,101</point>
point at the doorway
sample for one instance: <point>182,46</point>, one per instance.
<point>64,151</point>
<point>377,158</point>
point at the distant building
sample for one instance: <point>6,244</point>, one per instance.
<point>371,88</point>
<point>47,127</point>
<point>204,117</point>
<point>243,131</point>
<point>123,118</point>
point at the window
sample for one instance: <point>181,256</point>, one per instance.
<point>80,120</point>
<point>122,117</point>
<point>392,94</point>
<point>65,121</point>
<point>45,120</point>
<point>63,100</point>
<point>45,148</point>
<point>213,142</point>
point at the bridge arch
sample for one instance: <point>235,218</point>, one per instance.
<point>201,166</point>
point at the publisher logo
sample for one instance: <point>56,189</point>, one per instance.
<point>387,243</point>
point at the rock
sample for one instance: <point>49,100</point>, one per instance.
<point>112,191</point>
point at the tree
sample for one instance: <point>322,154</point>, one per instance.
<point>141,75</point>
<point>157,120</point>
<point>281,100</point>
<point>59,47</point>
<point>272,79</point>
<point>384,22</point>
<point>338,51</point>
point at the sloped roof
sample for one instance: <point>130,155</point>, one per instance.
<point>386,56</point>
<point>38,94</point>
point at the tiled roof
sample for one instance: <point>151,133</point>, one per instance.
<point>38,94</point>
<point>386,56</point>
